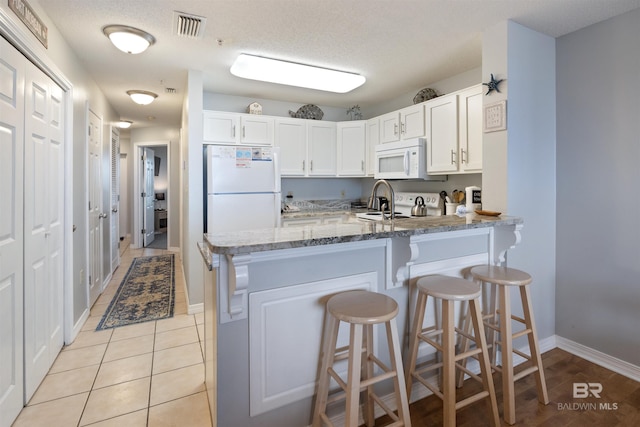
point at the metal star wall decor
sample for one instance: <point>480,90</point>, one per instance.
<point>493,85</point>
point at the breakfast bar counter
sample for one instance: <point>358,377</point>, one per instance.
<point>265,292</point>
<point>350,230</point>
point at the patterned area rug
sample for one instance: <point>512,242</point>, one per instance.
<point>146,293</point>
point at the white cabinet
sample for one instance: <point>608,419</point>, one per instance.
<point>470,129</point>
<point>291,137</point>
<point>454,132</point>
<point>321,151</point>
<point>373,139</point>
<point>442,134</point>
<point>233,128</point>
<point>285,327</point>
<point>307,147</point>
<point>352,148</point>
<point>406,123</point>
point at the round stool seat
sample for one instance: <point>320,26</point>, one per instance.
<point>449,288</point>
<point>501,275</point>
<point>362,307</point>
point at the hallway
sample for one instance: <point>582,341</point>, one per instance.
<point>149,374</point>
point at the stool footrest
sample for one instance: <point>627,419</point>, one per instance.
<point>471,399</point>
<point>521,333</point>
<point>524,372</point>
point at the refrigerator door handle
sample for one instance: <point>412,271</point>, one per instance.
<point>276,167</point>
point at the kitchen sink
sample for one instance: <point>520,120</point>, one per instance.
<point>377,216</point>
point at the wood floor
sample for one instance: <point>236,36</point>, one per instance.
<point>618,405</point>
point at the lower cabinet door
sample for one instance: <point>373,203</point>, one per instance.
<point>285,334</point>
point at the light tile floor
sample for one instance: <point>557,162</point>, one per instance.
<point>149,374</point>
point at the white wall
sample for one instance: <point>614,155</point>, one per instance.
<point>598,296</point>
<point>85,92</point>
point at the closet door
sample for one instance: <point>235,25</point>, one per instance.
<point>43,225</point>
<point>12,69</point>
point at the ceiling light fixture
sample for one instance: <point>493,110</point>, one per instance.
<point>294,74</point>
<point>124,124</point>
<point>128,39</point>
<point>142,97</point>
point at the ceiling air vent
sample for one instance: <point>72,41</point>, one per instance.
<point>187,25</point>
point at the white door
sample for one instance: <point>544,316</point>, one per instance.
<point>43,225</point>
<point>148,196</point>
<point>115,199</point>
<point>95,207</point>
<point>12,70</point>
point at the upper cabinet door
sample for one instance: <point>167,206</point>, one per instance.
<point>220,128</point>
<point>470,121</point>
<point>373,139</point>
<point>352,148</point>
<point>321,140</point>
<point>412,122</point>
<point>442,134</point>
<point>256,130</point>
<point>390,127</point>
<point>291,137</point>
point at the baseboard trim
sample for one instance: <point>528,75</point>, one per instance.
<point>77,327</point>
<point>606,361</point>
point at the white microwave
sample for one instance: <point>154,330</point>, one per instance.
<point>403,160</point>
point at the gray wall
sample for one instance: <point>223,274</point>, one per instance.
<point>598,261</point>
<point>519,163</point>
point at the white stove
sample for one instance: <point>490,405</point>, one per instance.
<point>405,201</point>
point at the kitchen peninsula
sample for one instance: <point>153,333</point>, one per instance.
<point>265,291</point>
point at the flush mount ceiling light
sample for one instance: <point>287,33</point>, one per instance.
<point>142,97</point>
<point>294,74</point>
<point>128,39</point>
<point>124,124</point>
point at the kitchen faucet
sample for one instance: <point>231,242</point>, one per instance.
<point>372,198</point>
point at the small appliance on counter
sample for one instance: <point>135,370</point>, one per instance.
<point>473,198</point>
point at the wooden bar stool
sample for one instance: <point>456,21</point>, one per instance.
<point>449,290</point>
<point>361,310</point>
<point>505,278</point>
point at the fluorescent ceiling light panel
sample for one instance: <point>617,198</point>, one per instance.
<point>294,74</point>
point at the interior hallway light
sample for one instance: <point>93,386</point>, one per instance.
<point>294,74</point>
<point>128,39</point>
<point>142,97</point>
<point>124,124</point>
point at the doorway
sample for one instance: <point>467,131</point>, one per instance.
<point>151,201</point>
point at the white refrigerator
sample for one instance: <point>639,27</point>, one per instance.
<point>243,188</point>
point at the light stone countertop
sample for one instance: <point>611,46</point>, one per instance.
<point>351,230</point>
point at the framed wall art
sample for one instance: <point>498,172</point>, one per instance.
<point>495,116</point>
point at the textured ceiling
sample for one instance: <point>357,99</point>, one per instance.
<point>398,45</point>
